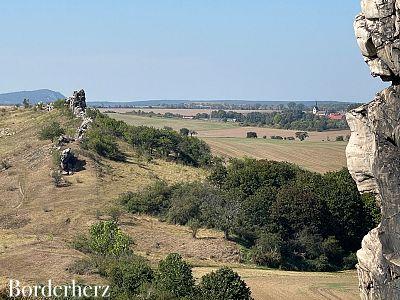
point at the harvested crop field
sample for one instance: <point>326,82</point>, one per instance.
<point>315,156</point>
<point>174,123</point>
<point>240,132</point>
<point>275,284</point>
<point>319,153</point>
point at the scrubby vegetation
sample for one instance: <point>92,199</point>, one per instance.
<point>51,131</point>
<point>131,276</point>
<point>285,216</point>
<point>149,141</point>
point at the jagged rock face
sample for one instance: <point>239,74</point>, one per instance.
<point>83,127</point>
<point>77,102</point>
<point>373,158</point>
<point>373,152</point>
<point>377,30</point>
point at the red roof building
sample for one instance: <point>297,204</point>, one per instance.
<point>336,116</point>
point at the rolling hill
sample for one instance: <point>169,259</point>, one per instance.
<point>35,96</point>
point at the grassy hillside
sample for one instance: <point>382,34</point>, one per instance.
<point>38,221</point>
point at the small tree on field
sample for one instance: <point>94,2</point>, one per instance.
<point>301,135</point>
<point>175,276</point>
<point>184,131</point>
<point>224,284</point>
<point>194,226</point>
<point>251,135</point>
<point>339,138</point>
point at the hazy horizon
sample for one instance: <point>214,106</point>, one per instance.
<point>133,50</point>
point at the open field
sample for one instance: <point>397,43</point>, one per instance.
<point>229,140</point>
<point>220,129</point>
<point>176,124</point>
<point>276,285</point>
<point>316,156</point>
<point>179,111</point>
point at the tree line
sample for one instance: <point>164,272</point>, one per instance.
<point>285,217</point>
<point>165,143</point>
<point>294,119</point>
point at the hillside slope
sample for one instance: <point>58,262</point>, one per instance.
<point>38,221</point>
<point>36,96</point>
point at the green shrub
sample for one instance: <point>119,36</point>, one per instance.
<point>129,275</point>
<point>267,251</point>
<point>51,131</point>
<point>339,138</point>
<point>184,131</point>
<point>152,200</point>
<point>350,261</point>
<point>103,144</point>
<point>224,284</point>
<point>59,104</point>
<point>105,238</point>
<point>174,275</point>
<point>251,135</point>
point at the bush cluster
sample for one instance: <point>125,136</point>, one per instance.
<point>51,131</point>
<point>287,217</point>
<point>162,143</point>
<point>131,277</point>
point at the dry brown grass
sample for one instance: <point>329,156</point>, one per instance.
<point>38,220</point>
<point>240,132</point>
<point>315,156</point>
<point>276,285</point>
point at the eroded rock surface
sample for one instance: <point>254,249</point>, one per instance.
<point>373,157</point>
<point>68,161</point>
<point>373,153</point>
<point>77,103</point>
<point>377,30</point>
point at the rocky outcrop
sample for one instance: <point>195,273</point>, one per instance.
<point>77,103</point>
<point>68,162</point>
<point>377,30</point>
<point>64,139</point>
<point>373,152</point>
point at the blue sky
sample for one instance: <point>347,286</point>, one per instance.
<point>204,49</point>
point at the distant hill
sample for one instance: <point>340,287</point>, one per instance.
<point>33,96</point>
